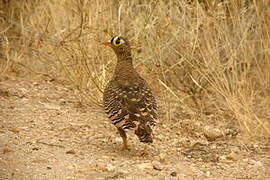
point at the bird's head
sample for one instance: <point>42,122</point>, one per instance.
<point>119,44</point>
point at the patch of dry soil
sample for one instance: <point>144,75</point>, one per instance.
<point>45,134</point>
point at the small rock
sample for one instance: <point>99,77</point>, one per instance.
<point>212,133</point>
<point>161,157</point>
<point>22,92</point>
<point>256,146</point>
<point>35,148</point>
<point>70,152</point>
<point>145,166</point>
<point>110,167</point>
<point>208,173</point>
<point>223,159</point>
<point>7,150</point>
<point>174,174</point>
<point>117,139</point>
<point>15,130</point>
<point>236,149</point>
<point>157,165</point>
<point>233,156</point>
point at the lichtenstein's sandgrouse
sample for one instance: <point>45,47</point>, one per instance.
<point>127,99</point>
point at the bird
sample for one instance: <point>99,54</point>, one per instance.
<point>127,98</point>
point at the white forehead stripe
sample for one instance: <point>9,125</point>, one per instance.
<point>113,39</point>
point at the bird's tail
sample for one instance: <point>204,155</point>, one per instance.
<point>144,133</point>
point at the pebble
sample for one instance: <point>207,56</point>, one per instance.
<point>233,156</point>
<point>208,173</point>
<point>110,167</point>
<point>70,152</point>
<point>7,150</point>
<point>174,174</point>
<point>117,139</point>
<point>15,130</point>
<point>145,166</point>
<point>161,157</point>
<point>223,159</point>
<point>211,133</point>
<point>157,165</point>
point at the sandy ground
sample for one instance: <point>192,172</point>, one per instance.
<point>46,133</point>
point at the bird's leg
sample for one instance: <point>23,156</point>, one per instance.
<point>144,152</point>
<point>124,137</point>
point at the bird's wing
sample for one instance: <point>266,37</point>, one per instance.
<point>126,104</point>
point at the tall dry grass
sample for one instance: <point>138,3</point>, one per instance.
<point>200,57</point>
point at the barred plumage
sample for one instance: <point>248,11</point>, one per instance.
<point>128,101</point>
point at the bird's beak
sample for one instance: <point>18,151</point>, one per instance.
<point>107,43</point>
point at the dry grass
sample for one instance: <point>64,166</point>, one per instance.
<point>201,58</point>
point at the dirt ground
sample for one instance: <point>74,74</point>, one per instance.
<point>46,133</point>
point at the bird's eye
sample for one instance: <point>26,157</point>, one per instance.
<point>118,41</point>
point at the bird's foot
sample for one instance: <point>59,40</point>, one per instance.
<point>145,151</point>
<point>125,147</point>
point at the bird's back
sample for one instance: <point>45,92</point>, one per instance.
<point>131,105</point>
